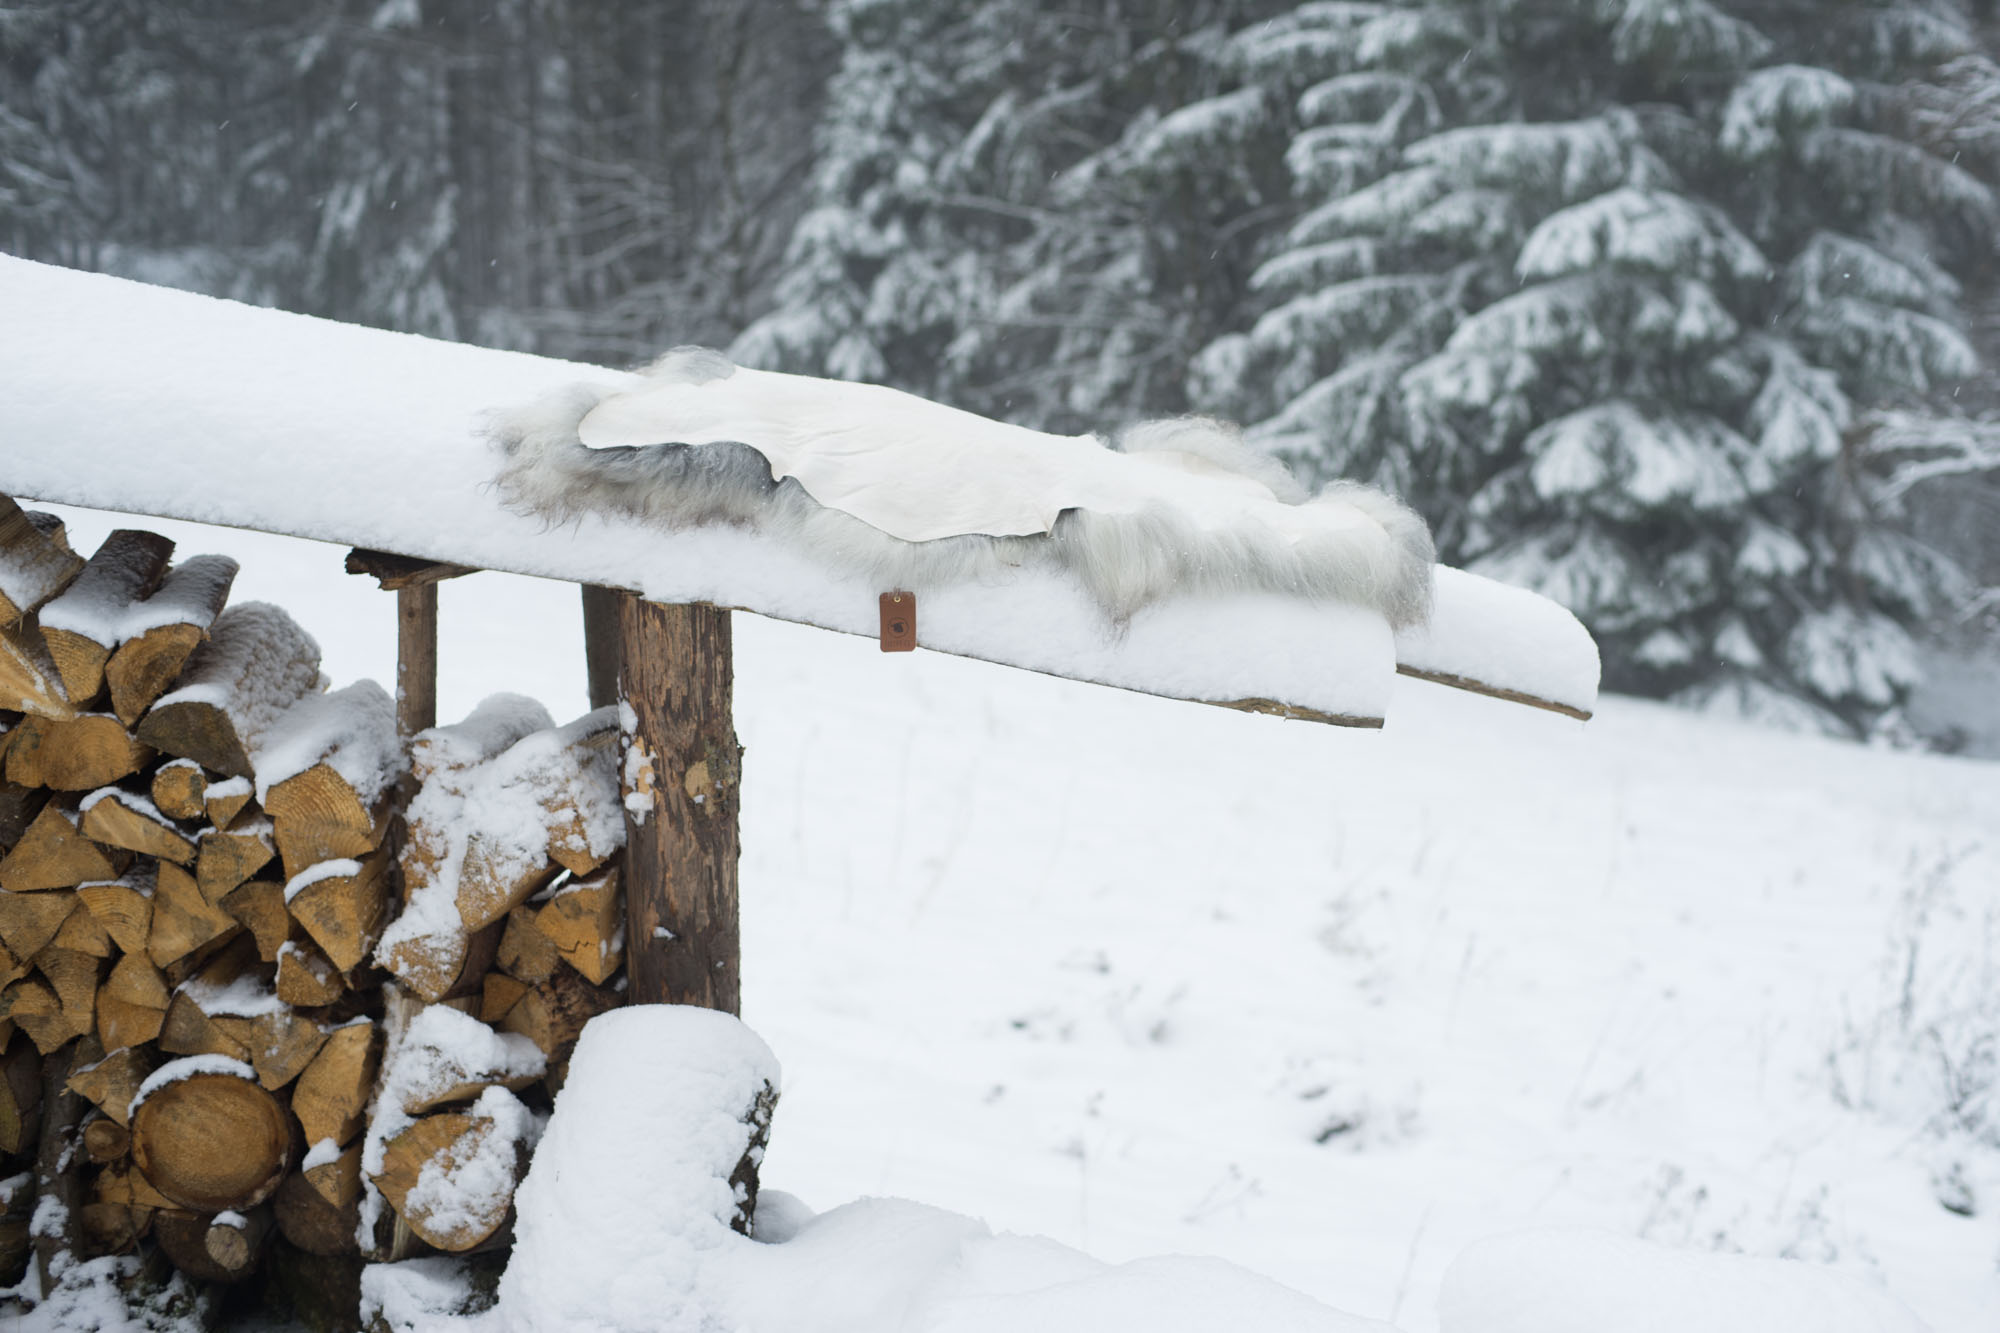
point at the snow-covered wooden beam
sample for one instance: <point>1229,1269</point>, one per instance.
<point>117,395</point>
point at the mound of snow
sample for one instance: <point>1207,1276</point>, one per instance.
<point>624,1227</point>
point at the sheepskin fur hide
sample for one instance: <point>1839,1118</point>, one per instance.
<point>1125,560</point>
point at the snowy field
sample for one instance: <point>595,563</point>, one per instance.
<point>1147,977</point>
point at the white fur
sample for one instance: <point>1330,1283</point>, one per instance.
<point>1126,560</point>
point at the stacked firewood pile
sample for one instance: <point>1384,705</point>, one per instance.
<point>510,940</point>
<point>266,968</point>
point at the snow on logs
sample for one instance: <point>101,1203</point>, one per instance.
<point>236,912</point>
<point>508,801</point>
<point>133,929</point>
<point>697,1088</point>
<point>81,626</point>
<point>254,665</point>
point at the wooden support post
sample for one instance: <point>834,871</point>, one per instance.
<point>600,642</point>
<point>415,583</point>
<point>681,772</point>
<point>416,658</point>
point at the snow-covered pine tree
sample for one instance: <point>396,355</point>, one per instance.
<point>1039,212</point>
<point>1604,287</point>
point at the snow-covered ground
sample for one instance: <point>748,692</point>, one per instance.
<point>1147,977</point>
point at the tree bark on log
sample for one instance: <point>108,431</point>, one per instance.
<point>313,1222</point>
<point>680,781</point>
<point>62,1114</point>
<point>36,555</point>
<point>20,1094</point>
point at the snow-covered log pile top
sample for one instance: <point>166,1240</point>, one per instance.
<point>116,395</point>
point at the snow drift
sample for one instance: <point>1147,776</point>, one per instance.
<point>627,1225</point>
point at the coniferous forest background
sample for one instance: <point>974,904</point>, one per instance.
<point>1683,312</point>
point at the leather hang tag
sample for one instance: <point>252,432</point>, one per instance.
<point>899,622</point>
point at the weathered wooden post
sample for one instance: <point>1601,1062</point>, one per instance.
<point>416,658</point>
<point>415,584</point>
<point>681,785</point>
<point>600,642</point>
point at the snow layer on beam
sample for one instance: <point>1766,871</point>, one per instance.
<point>1497,639</point>
<point>117,395</point>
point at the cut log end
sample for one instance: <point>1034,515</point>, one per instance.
<point>83,753</point>
<point>54,854</point>
<point>212,1141</point>
<point>144,667</point>
<point>449,1214</point>
<point>180,790</point>
<point>332,1094</point>
<point>194,729</point>
<point>344,912</point>
<point>106,1141</point>
<point>586,923</point>
<point>319,817</point>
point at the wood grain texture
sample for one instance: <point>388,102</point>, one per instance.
<point>29,681</point>
<point>306,979</point>
<point>106,1141</point>
<point>585,922</point>
<point>224,860</point>
<point>682,935</point>
<point>29,921</point>
<point>212,1141</point>
<point>179,788</point>
<point>331,1097</point>
<point>236,1241</point>
<point>112,823</point>
<point>313,1223</point>
<point>344,914</point>
<point>53,854</point>
<point>146,665</point>
<point>123,907</point>
<point>317,816</point>
<point>83,753</point>
<point>183,919</point>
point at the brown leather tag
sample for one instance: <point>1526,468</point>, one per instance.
<point>899,622</point>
